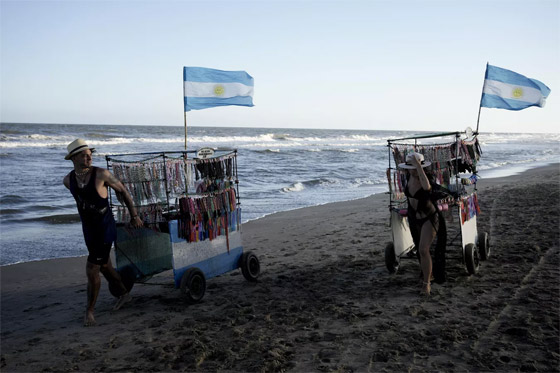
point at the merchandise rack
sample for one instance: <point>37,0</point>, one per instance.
<point>451,154</point>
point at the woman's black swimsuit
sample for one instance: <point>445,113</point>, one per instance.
<point>98,224</point>
<point>424,202</point>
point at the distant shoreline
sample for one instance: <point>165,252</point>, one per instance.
<point>492,179</point>
<point>279,170</point>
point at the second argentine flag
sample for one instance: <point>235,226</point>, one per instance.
<point>505,89</point>
<point>206,88</point>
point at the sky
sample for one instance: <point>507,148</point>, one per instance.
<point>378,65</point>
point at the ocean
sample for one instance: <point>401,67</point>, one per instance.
<point>279,169</point>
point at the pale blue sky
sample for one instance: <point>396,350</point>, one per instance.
<point>410,65</point>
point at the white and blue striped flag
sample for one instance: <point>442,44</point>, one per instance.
<point>505,89</point>
<point>206,88</point>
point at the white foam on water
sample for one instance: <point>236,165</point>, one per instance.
<point>296,187</point>
<point>279,169</point>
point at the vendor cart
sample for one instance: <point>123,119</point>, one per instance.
<point>189,203</point>
<point>454,156</point>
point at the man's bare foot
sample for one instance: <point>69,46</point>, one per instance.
<point>89,320</point>
<point>122,300</point>
<point>426,289</point>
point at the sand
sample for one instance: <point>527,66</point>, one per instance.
<point>324,301</point>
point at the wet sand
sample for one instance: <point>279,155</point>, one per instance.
<point>324,301</point>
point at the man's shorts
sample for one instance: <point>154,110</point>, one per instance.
<point>99,253</point>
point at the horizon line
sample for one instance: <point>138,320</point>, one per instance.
<point>213,126</point>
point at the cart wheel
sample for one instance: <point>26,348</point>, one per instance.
<point>484,246</point>
<point>250,266</point>
<point>391,258</point>
<point>472,261</point>
<point>193,285</point>
<point>128,276</point>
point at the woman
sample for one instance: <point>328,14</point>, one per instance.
<point>423,216</point>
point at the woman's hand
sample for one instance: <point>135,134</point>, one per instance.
<point>415,161</point>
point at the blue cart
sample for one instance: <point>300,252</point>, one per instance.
<point>191,211</point>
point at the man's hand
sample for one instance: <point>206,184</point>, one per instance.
<point>136,222</point>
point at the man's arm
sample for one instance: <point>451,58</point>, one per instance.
<point>66,181</point>
<point>123,195</point>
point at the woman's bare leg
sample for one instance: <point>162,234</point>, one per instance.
<point>427,235</point>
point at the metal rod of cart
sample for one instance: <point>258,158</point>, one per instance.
<point>190,205</point>
<point>454,156</point>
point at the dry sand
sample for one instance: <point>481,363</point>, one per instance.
<point>324,302</point>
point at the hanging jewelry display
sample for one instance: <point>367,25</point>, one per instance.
<point>202,192</point>
<point>448,160</point>
<point>208,216</point>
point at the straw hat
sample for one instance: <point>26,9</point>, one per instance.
<point>408,164</point>
<point>77,146</point>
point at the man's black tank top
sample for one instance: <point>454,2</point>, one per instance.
<point>98,223</point>
<point>88,199</point>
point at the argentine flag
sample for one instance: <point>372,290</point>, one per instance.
<point>205,88</point>
<point>505,89</point>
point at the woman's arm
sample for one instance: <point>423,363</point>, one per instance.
<point>421,174</point>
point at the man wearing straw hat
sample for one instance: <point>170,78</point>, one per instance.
<point>88,185</point>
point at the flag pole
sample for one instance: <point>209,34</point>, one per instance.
<point>185,118</point>
<point>184,108</point>
<point>480,105</point>
<point>477,121</point>
<point>185,115</point>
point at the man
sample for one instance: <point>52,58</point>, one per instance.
<point>88,185</point>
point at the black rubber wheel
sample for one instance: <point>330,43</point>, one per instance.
<point>391,258</point>
<point>128,277</point>
<point>483,246</point>
<point>250,266</point>
<point>193,285</point>
<point>472,260</point>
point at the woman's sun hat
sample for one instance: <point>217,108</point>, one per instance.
<point>408,164</point>
<point>76,147</point>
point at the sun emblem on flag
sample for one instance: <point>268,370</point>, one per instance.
<point>219,90</point>
<point>517,92</point>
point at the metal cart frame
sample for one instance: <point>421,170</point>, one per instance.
<point>160,245</point>
<point>474,245</point>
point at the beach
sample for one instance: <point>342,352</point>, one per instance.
<point>324,301</point>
